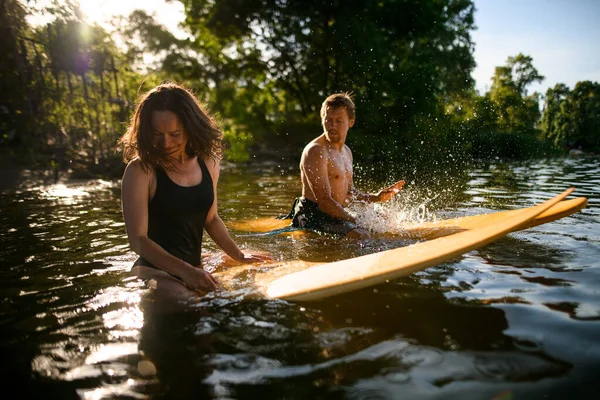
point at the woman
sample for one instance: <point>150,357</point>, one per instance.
<point>173,148</point>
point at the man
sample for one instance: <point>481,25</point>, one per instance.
<point>326,173</point>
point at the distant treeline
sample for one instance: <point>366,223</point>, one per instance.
<point>67,89</point>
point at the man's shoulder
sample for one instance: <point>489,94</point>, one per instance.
<point>313,153</point>
<point>315,145</point>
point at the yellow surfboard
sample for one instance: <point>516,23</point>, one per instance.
<point>422,230</point>
<point>432,230</point>
<point>304,281</point>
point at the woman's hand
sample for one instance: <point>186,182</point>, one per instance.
<point>253,258</point>
<point>198,279</point>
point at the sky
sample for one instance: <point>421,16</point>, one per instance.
<point>561,36</point>
<point>169,14</point>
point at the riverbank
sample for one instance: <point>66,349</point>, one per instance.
<point>16,169</point>
<point>18,166</point>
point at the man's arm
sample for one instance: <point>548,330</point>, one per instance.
<point>314,166</point>
<point>384,194</point>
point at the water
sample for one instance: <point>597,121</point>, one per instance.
<point>519,318</point>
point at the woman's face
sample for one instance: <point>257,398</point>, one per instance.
<point>168,133</point>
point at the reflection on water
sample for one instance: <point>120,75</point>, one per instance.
<point>519,318</point>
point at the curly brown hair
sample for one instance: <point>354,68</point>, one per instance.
<point>204,136</point>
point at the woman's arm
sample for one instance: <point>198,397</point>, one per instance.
<point>135,195</point>
<point>217,230</point>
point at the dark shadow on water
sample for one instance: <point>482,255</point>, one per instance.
<point>169,341</point>
<point>522,254</point>
<point>421,313</point>
<point>238,347</point>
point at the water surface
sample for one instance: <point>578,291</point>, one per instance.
<point>519,318</point>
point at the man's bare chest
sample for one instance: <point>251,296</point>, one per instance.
<point>339,168</point>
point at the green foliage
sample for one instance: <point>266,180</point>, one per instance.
<point>515,110</point>
<point>571,119</point>
<point>265,66</point>
<point>68,89</point>
<point>489,145</point>
<point>398,58</point>
<point>16,105</point>
<point>237,144</point>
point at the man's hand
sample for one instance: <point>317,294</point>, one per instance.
<point>387,193</point>
<point>199,279</point>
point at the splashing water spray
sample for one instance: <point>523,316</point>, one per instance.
<point>391,217</point>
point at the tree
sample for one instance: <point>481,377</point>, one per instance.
<point>17,108</point>
<point>555,123</point>
<point>400,59</point>
<point>64,91</point>
<point>517,111</point>
<point>571,119</point>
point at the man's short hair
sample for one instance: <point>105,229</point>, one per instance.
<point>336,100</point>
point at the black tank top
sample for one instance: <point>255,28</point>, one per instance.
<point>176,216</point>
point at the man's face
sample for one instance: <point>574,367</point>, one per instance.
<point>336,124</point>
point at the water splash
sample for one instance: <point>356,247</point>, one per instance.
<point>393,216</point>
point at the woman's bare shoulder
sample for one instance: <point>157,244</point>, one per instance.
<point>136,169</point>
<point>211,163</point>
<point>214,167</point>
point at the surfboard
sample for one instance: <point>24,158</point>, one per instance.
<point>421,230</point>
<point>304,281</point>
<point>445,227</point>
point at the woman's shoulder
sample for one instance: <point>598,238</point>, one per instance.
<point>210,162</point>
<point>213,165</point>
<point>138,168</point>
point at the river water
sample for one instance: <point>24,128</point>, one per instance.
<point>517,319</point>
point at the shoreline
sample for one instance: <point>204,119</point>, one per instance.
<point>16,167</point>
